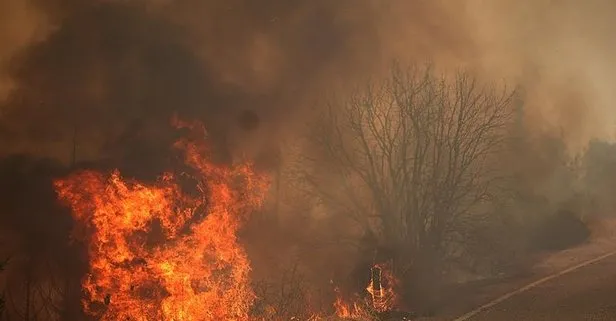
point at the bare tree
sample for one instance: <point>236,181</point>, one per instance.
<point>410,156</point>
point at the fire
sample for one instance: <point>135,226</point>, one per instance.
<point>381,288</point>
<point>157,252</point>
<point>344,310</point>
<point>381,296</point>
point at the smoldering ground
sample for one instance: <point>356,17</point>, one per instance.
<point>99,80</point>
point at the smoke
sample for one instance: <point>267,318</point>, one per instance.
<point>36,231</point>
<point>21,23</point>
<point>99,80</point>
<point>108,64</point>
<point>561,52</point>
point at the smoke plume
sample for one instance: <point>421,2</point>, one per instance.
<point>98,81</point>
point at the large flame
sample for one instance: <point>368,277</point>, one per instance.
<point>159,253</point>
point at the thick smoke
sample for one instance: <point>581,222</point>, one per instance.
<point>20,25</point>
<point>98,81</point>
<point>112,65</point>
<point>562,53</point>
<point>134,61</point>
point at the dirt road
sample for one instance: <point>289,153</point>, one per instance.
<point>587,293</point>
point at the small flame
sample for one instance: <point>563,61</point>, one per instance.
<point>381,288</point>
<point>344,310</point>
<point>381,295</point>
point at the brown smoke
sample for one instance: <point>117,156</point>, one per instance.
<point>21,23</point>
<point>562,53</point>
<point>85,80</point>
<point>280,53</point>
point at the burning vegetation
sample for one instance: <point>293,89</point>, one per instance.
<point>170,250</point>
<point>158,252</point>
<point>262,204</point>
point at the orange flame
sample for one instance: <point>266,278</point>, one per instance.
<point>158,253</point>
<point>382,296</point>
<point>344,310</point>
<point>381,288</point>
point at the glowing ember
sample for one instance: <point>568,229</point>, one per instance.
<point>158,253</point>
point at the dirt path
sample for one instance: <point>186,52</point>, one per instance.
<point>488,294</point>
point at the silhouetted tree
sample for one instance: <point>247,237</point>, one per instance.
<point>411,157</point>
